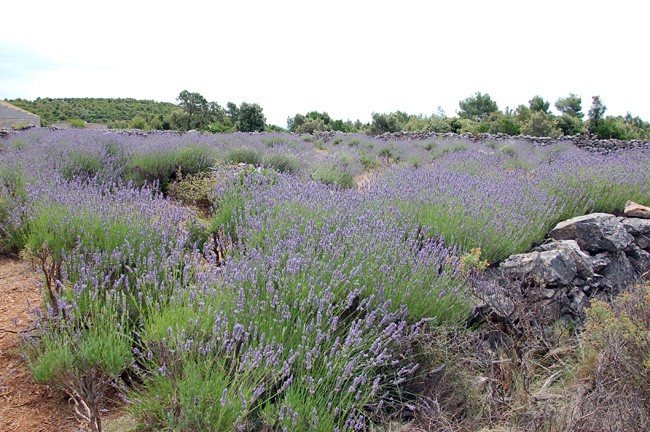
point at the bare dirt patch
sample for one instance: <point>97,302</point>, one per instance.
<point>24,405</point>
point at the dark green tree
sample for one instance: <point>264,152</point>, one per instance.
<point>570,105</point>
<point>596,114</point>
<point>195,107</point>
<point>477,107</point>
<point>382,123</point>
<point>295,122</point>
<point>538,104</point>
<point>251,118</point>
<point>319,116</point>
<point>233,112</point>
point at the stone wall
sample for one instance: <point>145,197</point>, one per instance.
<point>592,256</point>
<point>584,141</point>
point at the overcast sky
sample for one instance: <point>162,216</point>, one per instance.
<point>348,58</point>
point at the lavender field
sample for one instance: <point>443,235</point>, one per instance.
<point>273,281</point>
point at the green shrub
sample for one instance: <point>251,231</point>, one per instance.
<point>163,167</point>
<point>195,189</point>
<point>13,223</point>
<point>354,142</point>
<point>274,141</point>
<point>77,123</point>
<point>244,155</point>
<point>508,150</point>
<point>18,144</point>
<point>415,161</point>
<point>81,164</point>
<point>337,141</point>
<point>331,175</point>
<point>368,160</point>
<point>282,163</point>
<point>139,122</point>
<point>429,146</point>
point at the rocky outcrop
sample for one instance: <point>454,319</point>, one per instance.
<point>596,255</point>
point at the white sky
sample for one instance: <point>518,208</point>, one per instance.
<point>349,58</point>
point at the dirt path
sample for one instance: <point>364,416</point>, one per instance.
<point>24,405</point>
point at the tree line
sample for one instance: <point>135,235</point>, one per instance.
<point>478,113</point>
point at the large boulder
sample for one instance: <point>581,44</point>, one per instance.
<point>596,232</point>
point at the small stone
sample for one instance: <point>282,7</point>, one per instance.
<point>633,209</point>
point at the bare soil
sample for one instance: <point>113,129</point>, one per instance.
<point>25,406</point>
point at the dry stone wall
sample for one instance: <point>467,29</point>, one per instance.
<point>592,256</point>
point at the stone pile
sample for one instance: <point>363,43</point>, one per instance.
<point>592,256</point>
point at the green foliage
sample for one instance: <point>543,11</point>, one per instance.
<point>390,154</point>
<point>251,118</point>
<point>274,141</point>
<point>283,163</point>
<point>506,124</point>
<point>570,125</point>
<point>570,106</point>
<point>334,176</point>
<point>596,114</point>
<point>310,125</point>
<point>139,122</point>
<point>540,125</point>
<point>382,123</point>
<point>244,155</point>
<point>368,160</point>
<point>97,110</point>
<point>538,104</point>
<point>77,123</point>
<point>165,166</point>
<point>195,189</point>
<point>195,109</point>
<point>508,150</point>
<point>13,195</point>
<point>477,107</point>
<point>80,163</point>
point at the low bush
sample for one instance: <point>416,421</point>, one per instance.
<point>163,167</point>
<point>244,155</point>
<point>77,123</point>
<point>282,163</point>
<point>13,211</point>
<point>334,176</point>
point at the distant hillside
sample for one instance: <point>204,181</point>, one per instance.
<point>114,112</point>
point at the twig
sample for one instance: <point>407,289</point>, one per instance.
<point>2,330</point>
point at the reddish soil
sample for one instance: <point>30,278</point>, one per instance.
<point>24,405</point>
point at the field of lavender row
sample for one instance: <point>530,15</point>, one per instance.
<point>272,281</point>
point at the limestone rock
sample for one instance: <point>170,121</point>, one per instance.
<point>547,268</point>
<point>594,232</point>
<point>620,272</point>
<point>584,263</point>
<point>633,209</point>
<point>639,229</point>
<point>639,259</point>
